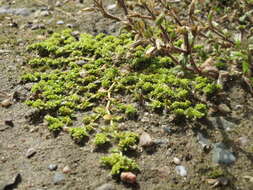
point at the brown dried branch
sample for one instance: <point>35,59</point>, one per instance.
<point>99,5</point>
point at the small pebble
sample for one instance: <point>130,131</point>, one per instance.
<point>58,3</point>
<point>167,130</point>
<point>145,140</point>
<point>30,152</point>
<point>160,141</point>
<point>70,25</point>
<point>238,107</point>
<point>243,140</point>
<point>83,73</point>
<point>106,186</point>
<point>44,13</point>
<point>112,6</point>
<point>66,169</point>
<point>128,177</point>
<point>181,170</point>
<point>81,62</point>
<point>75,33</point>
<point>58,178</point>
<point>224,108</point>
<point>60,22</point>
<point>222,155</point>
<point>176,161</point>
<point>52,167</point>
<point>6,103</point>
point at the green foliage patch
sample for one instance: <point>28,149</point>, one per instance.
<point>118,163</point>
<point>95,76</point>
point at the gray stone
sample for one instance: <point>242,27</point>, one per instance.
<point>81,62</point>
<point>224,108</point>
<point>181,170</point>
<point>75,33</point>
<point>221,123</point>
<point>167,130</point>
<point>145,140</point>
<point>176,160</point>
<point>15,11</point>
<point>30,152</point>
<point>112,6</point>
<point>204,142</point>
<point>45,13</point>
<point>52,167</point>
<point>60,22</point>
<point>106,186</point>
<point>221,155</point>
<point>58,178</point>
<point>160,141</point>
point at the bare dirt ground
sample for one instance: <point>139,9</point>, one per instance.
<point>18,135</point>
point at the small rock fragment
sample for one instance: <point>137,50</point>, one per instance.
<point>70,25</point>
<point>106,186</point>
<point>38,26</point>
<point>167,130</point>
<point>242,140</point>
<point>181,170</point>
<point>160,141</point>
<point>83,73</point>
<point>66,169</point>
<point>204,142</point>
<point>128,177</point>
<point>58,3</point>
<point>145,140</point>
<point>238,107</point>
<point>176,161</point>
<point>60,22</point>
<point>30,152</point>
<point>6,103</point>
<point>58,178</point>
<point>75,33</point>
<point>44,13</point>
<point>221,181</point>
<point>221,155</point>
<point>112,6</point>
<point>81,62</point>
<point>224,108</point>
<point>52,167</point>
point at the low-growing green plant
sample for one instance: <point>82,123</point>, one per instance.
<point>86,76</point>
<point>101,139</point>
<point>119,163</point>
<point>127,140</point>
<point>54,124</point>
<point>78,133</point>
<point>129,110</point>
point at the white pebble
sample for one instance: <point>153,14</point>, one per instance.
<point>181,170</point>
<point>176,160</point>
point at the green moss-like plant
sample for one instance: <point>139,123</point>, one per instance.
<point>127,140</point>
<point>78,133</point>
<point>119,163</point>
<point>101,139</point>
<point>54,124</point>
